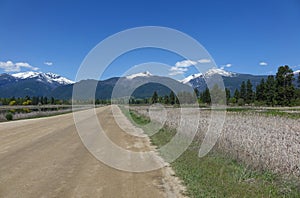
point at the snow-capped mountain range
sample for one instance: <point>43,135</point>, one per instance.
<point>55,78</point>
<point>186,80</point>
<point>46,77</point>
<point>231,80</point>
<point>207,74</point>
<point>30,84</point>
<point>53,85</point>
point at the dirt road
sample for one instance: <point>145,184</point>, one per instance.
<point>45,158</point>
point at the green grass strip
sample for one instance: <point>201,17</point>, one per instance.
<point>216,175</point>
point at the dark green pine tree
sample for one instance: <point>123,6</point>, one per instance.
<point>228,95</point>
<point>35,100</point>
<point>166,99</point>
<point>270,92</point>
<point>205,96</point>
<point>298,81</point>
<point>154,98</point>
<point>45,100</point>
<point>53,101</point>
<point>27,98</point>
<point>260,91</point>
<point>284,85</point>
<point>196,91</point>
<point>243,91</point>
<point>249,92</point>
<point>172,98</point>
<point>236,94</point>
<point>298,90</point>
<point>160,99</point>
<point>177,100</point>
<point>42,100</point>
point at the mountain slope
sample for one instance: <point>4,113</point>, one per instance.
<point>43,77</point>
<point>231,80</point>
<point>30,84</point>
<point>118,87</point>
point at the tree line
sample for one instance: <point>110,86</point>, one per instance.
<point>170,99</point>
<point>35,100</point>
<point>274,90</point>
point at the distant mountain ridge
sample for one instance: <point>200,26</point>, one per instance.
<point>30,84</point>
<point>140,85</point>
<point>49,77</point>
<point>231,80</point>
<point>207,74</point>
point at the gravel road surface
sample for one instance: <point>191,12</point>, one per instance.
<point>45,158</point>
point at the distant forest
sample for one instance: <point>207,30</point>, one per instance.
<point>32,101</point>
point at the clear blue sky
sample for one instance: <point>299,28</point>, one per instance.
<point>240,33</point>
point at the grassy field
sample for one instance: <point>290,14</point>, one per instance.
<point>216,175</point>
<point>284,112</point>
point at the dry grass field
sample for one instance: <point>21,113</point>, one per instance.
<point>260,141</point>
<point>255,155</point>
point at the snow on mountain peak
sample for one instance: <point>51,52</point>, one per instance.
<point>297,72</point>
<point>142,74</point>
<point>209,73</point>
<point>219,71</point>
<point>49,77</point>
<point>24,75</point>
<point>52,75</point>
<point>191,77</point>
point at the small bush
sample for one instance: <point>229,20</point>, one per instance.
<point>241,102</point>
<point>26,110</point>
<point>9,116</point>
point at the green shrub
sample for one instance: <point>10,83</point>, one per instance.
<point>241,102</point>
<point>9,116</point>
<point>26,110</point>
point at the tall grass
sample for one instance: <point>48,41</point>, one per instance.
<point>263,142</point>
<point>252,157</point>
